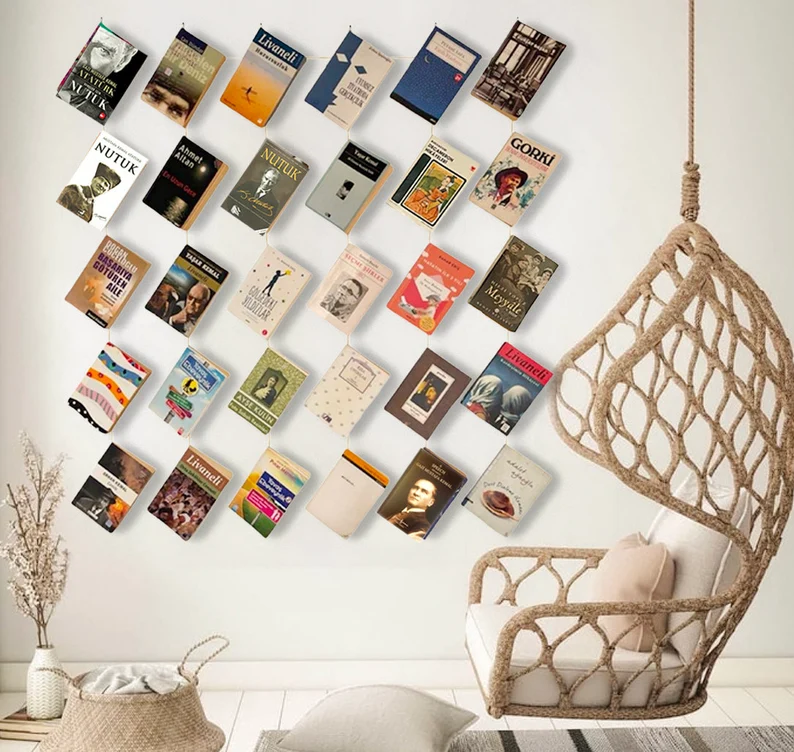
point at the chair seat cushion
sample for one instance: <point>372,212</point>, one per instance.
<point>575,657</point>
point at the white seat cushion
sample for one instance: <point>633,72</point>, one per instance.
<point>576,656</point>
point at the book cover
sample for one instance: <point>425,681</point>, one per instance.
<point>265,187</point>
<point>506,491</point>
<point>108,387</point>
<point>102,180</point>
<point>20,726</point>
<point>349,289</point>
<point>188,494</point>
<point>514,178</point>
<point>349,80</point>
<point>348,186</point>
<point>435,75</point>
<point>260,82</point>
<point>347,494</point>
<point>422,494</point>
<point>112,488</point>
<point>430,288</point>
<point>517,70</point>
<point>183,77</point>
<point>100,74</point>
<point>268,291</point>
<point>346,390</point>
<point>188,391</point>
<point>512,284</point>
<point>506,388</point>
<point>425,395</point>
<point>107,282</point>
<point>434,181</point>
<point>186,291</point>
<point>268,491</point>
<point>267,391</point>
<point>185,184</point>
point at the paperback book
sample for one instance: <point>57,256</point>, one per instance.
<point>268,291</point>
<point>183,77</point>
<point>265,187</point>
<point>100,74</point>
<point>348,186</point>
<point>512,284</point>
<point>268,491</point>
<point>422,494</point>
<point>188,391</point>
<point>347,494</point>
<point>260,82</point>
<point>107,282</point>
<point>185,184</point>
<point>506,388</point>
<point>349,289</point>
<point>187,290</point>
<point>188,494</point>
<point>19,726</point>
<point>108,387</point>
<point>436,178</point>
<point>349,80</point>
<point>425,395</point>
<point>435,75</point>
<point>102,180</point>
<point>267,391</point>
<point>430,288</point>
<point>507,490</point>
<point>112,488</point>
<point>346,390</point>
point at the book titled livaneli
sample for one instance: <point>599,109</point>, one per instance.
<point>107,282</point>
<point>185,184</point>
<point>260,82</point>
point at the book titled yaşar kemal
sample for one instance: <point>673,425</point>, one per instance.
<point>348,186</point>
<point>107,282</point>
<point>185,184</point>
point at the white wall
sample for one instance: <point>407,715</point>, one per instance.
<point>614,107</point>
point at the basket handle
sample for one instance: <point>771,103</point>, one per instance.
<point>210,657</point>
<point>69,680</point>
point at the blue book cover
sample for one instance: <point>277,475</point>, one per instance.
<point>435,75</point>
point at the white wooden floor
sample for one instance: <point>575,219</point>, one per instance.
<point>242,715</point>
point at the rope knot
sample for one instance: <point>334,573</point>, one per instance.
<point>690,191</point>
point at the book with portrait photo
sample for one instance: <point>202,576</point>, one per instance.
<point>422,494</point>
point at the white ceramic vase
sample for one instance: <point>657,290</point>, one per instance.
<point>45,689</point>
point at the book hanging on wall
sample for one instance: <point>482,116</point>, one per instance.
<point>188,391</point>
<point>348,186</point>
<point>102,180</point>
<point>430,288</point>
<point>348,494</point>
<point>108,387</point>
<point>349,289</point>
<point>265,187</point>
<point>268,491</point>
<point>346,390</point>
<point>100,74</point>
<point>435,180</point>
<point>107,282</point>
<point>267,391</point>
<point>426,394</point>
<point>506,491</point>
<point>349,80</point>
<point>186,291</point>
<point>260,82</point>
<point>183,77</point>
<point>113,486</point>
<point>517,70</point>
<point>422,494</point>
<point>435,75</point>
<point>188,494</point>
<point>268,291</point>
<point>513,283</point>
<point>506,388</point>
<point>185,184</point>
